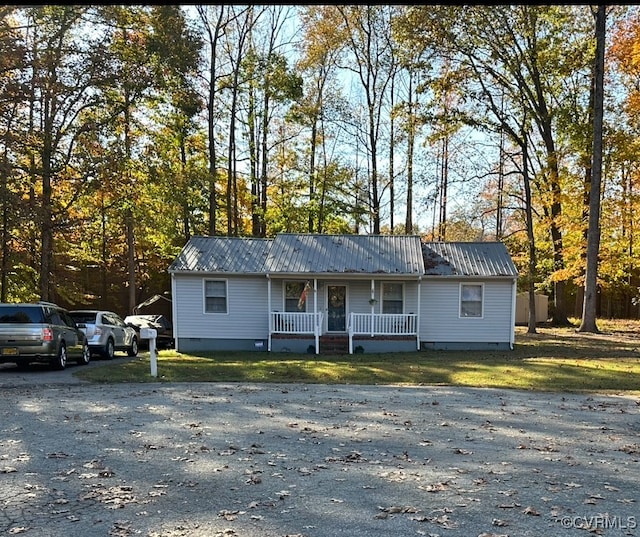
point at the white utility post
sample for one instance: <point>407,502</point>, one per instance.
<point>151,334</point>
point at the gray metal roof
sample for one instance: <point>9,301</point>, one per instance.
<point>484,259</point>
<point>223,254</point>
<point>291,253</point>
<point>345,254</point>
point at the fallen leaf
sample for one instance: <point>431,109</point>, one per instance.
<point>444,521</point>
<point>58,455</point>
<point>508,505</point>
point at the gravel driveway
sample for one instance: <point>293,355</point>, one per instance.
<point>266,460</point>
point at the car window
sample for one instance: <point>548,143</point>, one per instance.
<point>67,319</point>
<point>83,316</point>
<point>17,314</point>
<point>54,317</point>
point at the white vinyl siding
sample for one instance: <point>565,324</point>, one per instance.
<point>440,318</point>
<point>359,293</point>
<point>246,307</point>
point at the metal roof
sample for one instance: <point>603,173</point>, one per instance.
<point>223,254</point>
<point>345,254</point>
<point>485,259</point>
<point>291,253</point>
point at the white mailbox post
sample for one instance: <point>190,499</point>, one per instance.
<point>151,334</point>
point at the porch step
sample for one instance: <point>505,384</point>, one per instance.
<point>334,344</point>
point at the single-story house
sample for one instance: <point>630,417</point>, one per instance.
<point>316,293</point>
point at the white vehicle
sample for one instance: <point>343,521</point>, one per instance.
<point>106,332</point>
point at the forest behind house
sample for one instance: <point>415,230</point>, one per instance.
<point>125,130</point>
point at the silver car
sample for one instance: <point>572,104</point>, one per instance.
<point>40,332</point>
<point>106,332</point>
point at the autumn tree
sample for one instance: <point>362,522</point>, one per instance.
<point>500,48</point>
<point>12,95</point>
<point>271,83</point>
<point>66,70</point>
<point>321,112</point>
<point>368,31</point>
<point>217,22</point>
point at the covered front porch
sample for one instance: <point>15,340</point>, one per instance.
<point>367,313</point>
<point>301,331</point>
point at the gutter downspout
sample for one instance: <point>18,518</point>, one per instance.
<point>174,308</point>
<point>418,315</point>
<point>512,336</point>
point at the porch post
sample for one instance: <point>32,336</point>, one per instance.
<point>269,311</point>
<point>316,327</point>
<point>372,301</point>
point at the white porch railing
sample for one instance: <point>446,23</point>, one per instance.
<point>375,324</point>
<point>372,324</point>
<point>381,324</point>
<point>288,322</point>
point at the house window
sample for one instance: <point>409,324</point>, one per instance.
<point>392,301</point>
<point>471,300</point>
<point>215,296</point>
<point>292,293</point>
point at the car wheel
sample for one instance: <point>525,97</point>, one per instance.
<point>133,350</point>
<point>86,354</point>
<point>109,350</point>
<point>60,361</point>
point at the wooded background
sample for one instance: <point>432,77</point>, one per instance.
<point>125,130</point>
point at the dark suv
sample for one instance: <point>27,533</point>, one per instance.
<point>40,332</point>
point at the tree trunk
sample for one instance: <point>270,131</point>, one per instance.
<point>408,223</point>
<point>531,327</point>
<point>593,245</point>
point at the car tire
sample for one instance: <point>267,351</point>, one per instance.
<point>109,350</point>
<point>60,361</point>
<point>133,350</point>
<point>85,358</point>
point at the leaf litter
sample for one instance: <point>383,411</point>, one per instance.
<point>221,455</point>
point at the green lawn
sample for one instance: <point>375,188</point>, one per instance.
<point>552,359</point>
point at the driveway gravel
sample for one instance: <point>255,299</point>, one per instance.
<point>275,460</point>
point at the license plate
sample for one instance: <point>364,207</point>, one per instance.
<point>9,351</point>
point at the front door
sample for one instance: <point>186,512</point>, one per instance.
<point>336,308</point>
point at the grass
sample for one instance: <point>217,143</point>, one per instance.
<point>553,359</point>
